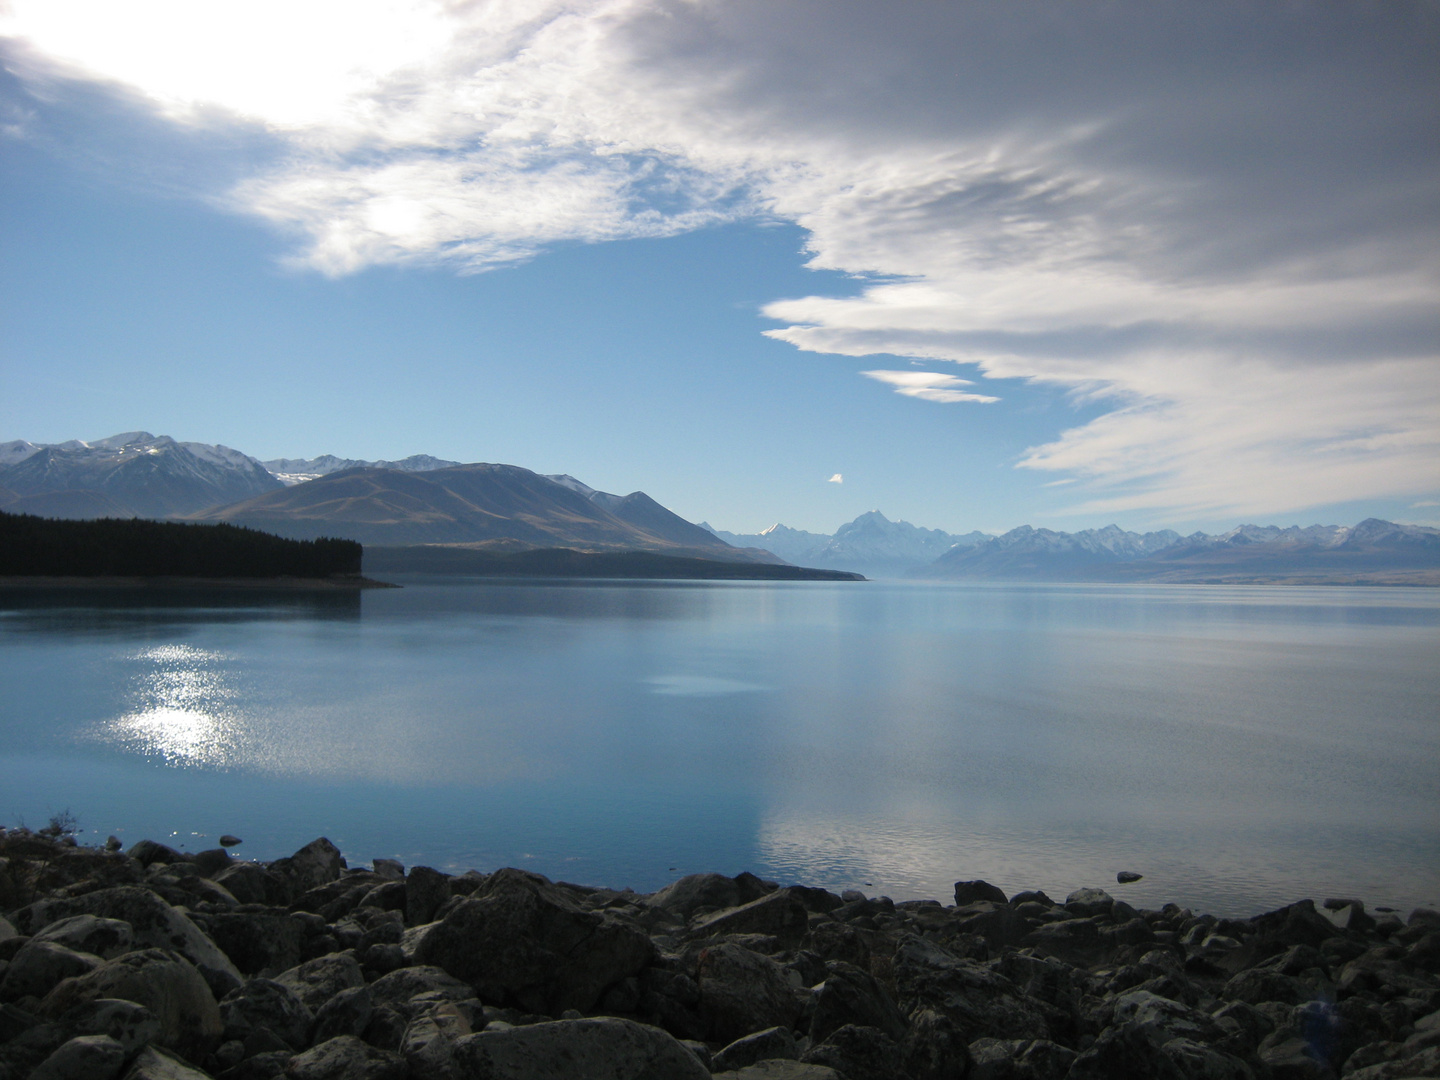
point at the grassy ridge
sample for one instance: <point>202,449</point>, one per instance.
<point>33,546</point>
<point>568,562</point>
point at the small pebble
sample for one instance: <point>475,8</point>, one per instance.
<point>229,841</point>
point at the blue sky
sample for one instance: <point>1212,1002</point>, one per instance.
<point>1164,269</point>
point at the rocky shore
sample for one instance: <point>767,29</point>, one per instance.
<point>152,964</point>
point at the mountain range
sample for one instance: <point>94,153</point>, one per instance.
<point>423,500</point>
<point>871,545</point>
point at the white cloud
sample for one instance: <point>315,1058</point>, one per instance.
<point>929,385</point>
<point>1220,221</point>
<point>836,479</point>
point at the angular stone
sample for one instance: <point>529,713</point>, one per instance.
<point>317,981</point>
<point>258,942</point>
<point>268,1004</point>
<point>428,1044</point>
<point>781,1070</point>
<point>85,1057</point>
<point>346,1058</point>
<point>165,983</point>
<point>775,1042</point>
<point>1162,1019</point>
<point>425,890</point>
<point>251,883</point>
<point>742,992</point>
<point>317,863</point>
<point>854,1050</point>
<point>520,938</point>
<point>1124,1053</point>
<point>779,914</point>
<point>150,851</point>
<point>106,938</point>
<point>852,996</point>
<point>974,998</point>
<point>604,1048</point>
<point>1196,1061</point>
<point>347,1013</point>
<point>934,1048</point>
<point>716,891</point>
<point>402,985</point>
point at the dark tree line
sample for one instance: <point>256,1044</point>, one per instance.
<point>32,546</point>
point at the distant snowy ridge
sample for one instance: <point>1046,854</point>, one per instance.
<point>872,544</point>
<point>290,471</point>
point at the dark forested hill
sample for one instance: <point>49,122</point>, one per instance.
<point>33,546</point>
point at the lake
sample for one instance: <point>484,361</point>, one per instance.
<point>1241,747</point>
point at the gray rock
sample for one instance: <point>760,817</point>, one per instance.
<point>258,942</point>
<point>1123,1052</point>
<point>264,1003</point>
<point>347,1013</point>
<point>153,1064</point>
<point>106,938</point>
<point>1125,877</point>
<point>147,852</point>
<point>779,914</point>
<point>390,869</point>
<point>1257,985</point>
<point>251,883</point>
<point>153,922</point>
<point>264,1066</point>
<point>40,966</point>
<point>854,1050</point>
<point>1196,1061</point>
<point>850,995</point>
<point>165,983</point>
<point>775,1042</point>
<point>317,863</point>
<point>428,1044</point>
<point>781,1070</point>
<point>1162,1019</point>
<point>85,1057</point>
<point>317,981</point>
<point>346,1058</point>
<point>934,1048</point>
<point>1088,902</point>
<point>967,892</point>
<point>130,1024</point>
<point>603,1048</point>
<point>976,999</point>
<point>229,841</point>
<point>402,985</point>
<point>425,890</point>
<point>743,992</point>
<point>691,893</point>
<point>520,938</point>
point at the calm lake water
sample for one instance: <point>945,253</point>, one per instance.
<point>1240,747</point>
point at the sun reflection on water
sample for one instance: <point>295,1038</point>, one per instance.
<point>182,707</point>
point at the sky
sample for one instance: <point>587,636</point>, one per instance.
<point>972,264</point>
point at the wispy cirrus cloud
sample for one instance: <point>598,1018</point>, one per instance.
<point>1233,248</point>
<point>930,386</point>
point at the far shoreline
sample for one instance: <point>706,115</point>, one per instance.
<point>338,584</point>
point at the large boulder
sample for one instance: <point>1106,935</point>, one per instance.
<point>39,967</point>
<point>153,1064</point>
<point>165,983</point>
<point>519,938</point>
<point>317,863</point>
<point>251,883</point>
<point>317,981</point>
<point>713,891</point>
<point>780,914</point>
<point>258,942</point>
<point>850,995</point>
<point>346,1058</point>
<point>153,922</point>
<point>854,1050</point>
<point>264,1003</point>
<point>130,1024</point>
<point>85,1057</point>
<point>743,992</point>
<point>977,1000</point>
<point>106,938</point>
<point>604,1048</point>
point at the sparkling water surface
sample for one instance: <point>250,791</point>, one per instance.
<point>1242,747</point>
